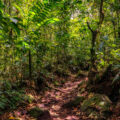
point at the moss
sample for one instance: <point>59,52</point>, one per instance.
<point>97,106</point>
<point>35,112</point>
<point>98,101</point>
<point>74,102</point>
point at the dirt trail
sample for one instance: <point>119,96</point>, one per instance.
<point>53,101</point>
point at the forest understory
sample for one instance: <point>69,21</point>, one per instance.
<point>67,98</point>
<point>59,59</point>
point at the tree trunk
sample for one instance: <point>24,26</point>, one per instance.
<point>93,51</point>
<point>94,36</point>
<point>30,65</point>
<point>93,69</point>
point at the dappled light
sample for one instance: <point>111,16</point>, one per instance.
<point>59,59</point>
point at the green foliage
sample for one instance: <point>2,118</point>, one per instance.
<point>52,36</point>
<point>97,105</point>
<point>48,28</point>
<point>11,99</point>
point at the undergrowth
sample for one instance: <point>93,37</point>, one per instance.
<point>10,99</point>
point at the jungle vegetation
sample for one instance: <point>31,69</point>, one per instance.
<point>41,39</point>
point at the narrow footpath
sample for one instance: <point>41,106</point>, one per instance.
<point>54,100</point>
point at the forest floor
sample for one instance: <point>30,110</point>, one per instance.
<point>54,101</point>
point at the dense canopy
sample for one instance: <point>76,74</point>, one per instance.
<point>42,41</point>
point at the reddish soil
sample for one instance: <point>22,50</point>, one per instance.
<point>53,101</point>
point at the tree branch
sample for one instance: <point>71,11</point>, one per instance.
<point>89,27</point>
<point>101,12</point>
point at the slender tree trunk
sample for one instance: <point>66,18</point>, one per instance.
<point>94,36</point>
<point>119,31</point>
<point>118,20</point>
<point>114,27</point>
<point>30,65</point>
<point>30,61</point>
<point>93,68</point>
<point>93,50</point>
